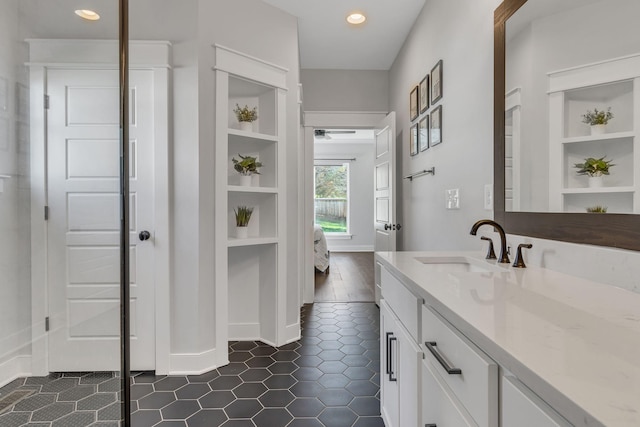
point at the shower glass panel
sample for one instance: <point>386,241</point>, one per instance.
<point>60,305</point>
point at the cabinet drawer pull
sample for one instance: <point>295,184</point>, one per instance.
<point>388,348</point>
<point>391,373</point>
<point>430,425</point>
<point>431,346</point>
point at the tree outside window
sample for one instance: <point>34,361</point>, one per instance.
<point>331,197</point>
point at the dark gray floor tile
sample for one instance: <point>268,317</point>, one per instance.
<point>76,393</point>
<point>216,399</point>
<point>239,423</point>
<point>337,417</point>
<point>272,417</point>
<point>147,378</point>
<point>249,390</point>
<point>76,419</point>
<point>157,400</point>
<point>330,345</point>
<point>59,385</point>
<point>358,373</point>
<point>171,424</point>
<point>243,408</point>
<point>306,361</point>
<point>335,397</point>
<point>227,382</point>
<point>169,383</point>
<point>276,398</point>
<point>35,402</point>
<point>207,418</point>
<point>282,368</point>
<point>285,356</point>
<point>96,377</point>
<point>334,381</point>
<point>138,391</point>
<point>112,385</point>
<point>240,356</point>
<point>353,349</point>
<point>53,411</point>
<point>275,382</point>
<point>306,389</point>
<point>308,374</point>
<point>180,410</point>
<point>331,354</point>
<point>356,360</point>
<point>233,368</point>
<point>369,422</point>
<point>333,367</point>
<point>243,345</point>
<point>14,419</point>
<point>112,412</point>
<point>263,351</point>
<point>309,350</point>
<point>96,401</point>
<point>350,340</point>
<point>193,391</point>
<point>145,417</point>
<point>255,375</point>
<point>365,406</point>
<point>305,407</point>
<point>363,388</point>
<point>203,378</point>
<point>260,362</point>
<point>305,422</point>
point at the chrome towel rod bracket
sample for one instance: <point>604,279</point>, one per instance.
<point>423,172</point>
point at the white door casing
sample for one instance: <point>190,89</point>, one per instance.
<point>385,184</point>
<point>84,220</point>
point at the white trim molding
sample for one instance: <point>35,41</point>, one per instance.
<point>16,367</point>
<point>194,363</point>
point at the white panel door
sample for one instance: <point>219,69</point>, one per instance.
<point>83,258</point>
<point>385,183</point>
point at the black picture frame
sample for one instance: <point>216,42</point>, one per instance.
<point>413,103</point>
<point>436,82</point>
<point>424,94</point>
<point>423,133</point>
<point>413,140</point>
<point>435,126</point>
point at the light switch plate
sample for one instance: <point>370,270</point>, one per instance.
<point>488,197</point>
<point>453,198</point>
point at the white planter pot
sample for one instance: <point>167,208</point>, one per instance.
<point>246,126</point>
<point>242,232</point>
<point>595,182</point>
<point>245,180</point>
<point>598,129</point>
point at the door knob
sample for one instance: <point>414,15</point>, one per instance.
<point>387,227</point>
<point>398,226</point>
<point>144,235</point>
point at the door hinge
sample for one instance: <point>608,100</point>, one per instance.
<point>46,213</point>
<point>46,102</point>
<point>46,324</point>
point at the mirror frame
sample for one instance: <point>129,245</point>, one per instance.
<point>613,230</point>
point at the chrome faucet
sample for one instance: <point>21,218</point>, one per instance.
<point>504,257</point>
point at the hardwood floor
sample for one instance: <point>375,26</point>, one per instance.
<point>350,278</point>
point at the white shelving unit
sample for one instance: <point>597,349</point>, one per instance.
<point>611,84</point>
<point>250,272</point>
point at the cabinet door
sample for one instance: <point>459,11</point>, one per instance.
<point>408,356</point>
<point>389,397</point>
<point>522,408</point>
<point>439,407</point>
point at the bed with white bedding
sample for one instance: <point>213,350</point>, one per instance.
<point>320,249</point>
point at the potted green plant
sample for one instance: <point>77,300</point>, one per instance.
<point>243,215</point>
<point>246,116</point>
<point>597,209</point>
<point>246,167</point>
<point>598,120</point>
<point>595,169</point>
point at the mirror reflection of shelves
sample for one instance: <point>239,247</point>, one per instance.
<point>615,85</point>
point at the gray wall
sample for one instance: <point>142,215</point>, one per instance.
<point>345,90</point>
<point>360,193</point>
<point>460,32</point>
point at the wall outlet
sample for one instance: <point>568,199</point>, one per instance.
<point>453,198</point>
<point>488,197</point>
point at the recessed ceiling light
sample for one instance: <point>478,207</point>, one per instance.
<point>356,18</point>
<point>87,14</point>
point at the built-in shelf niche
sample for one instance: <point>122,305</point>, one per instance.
<point>252,292</point>
<point>620,150</point>
<point>615,202</point>
<point>618,96</point>
<point>244,92</point>
<point>263,223</point>
<point>265,150</point>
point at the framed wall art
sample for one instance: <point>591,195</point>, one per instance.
<point>413,140</point>
<point>424,94</point>
<point>423,133</point>
<point>436,126</point>
<point>413,104</point>
<point>436,83</point>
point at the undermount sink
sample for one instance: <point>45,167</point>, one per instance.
<point>458,264</point>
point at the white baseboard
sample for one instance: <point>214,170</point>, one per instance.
<point>19,366</point>
<point>292,333</point>
<point>350,248</point>
<point>244,332</point>
<point>194,363</point>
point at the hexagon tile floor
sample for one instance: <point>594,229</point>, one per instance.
<point>329,378</point>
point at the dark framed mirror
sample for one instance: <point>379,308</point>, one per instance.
<point>619,229</point>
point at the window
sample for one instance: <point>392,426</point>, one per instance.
<point>332,197</point>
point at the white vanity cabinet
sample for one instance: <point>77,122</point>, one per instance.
<point>523,408</point>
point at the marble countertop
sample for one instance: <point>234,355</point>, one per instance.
<point>574,342</point>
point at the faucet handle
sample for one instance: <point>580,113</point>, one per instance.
<point>519,261</point>
<point>490,252</point>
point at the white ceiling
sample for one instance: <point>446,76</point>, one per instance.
<point>328,42</point>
